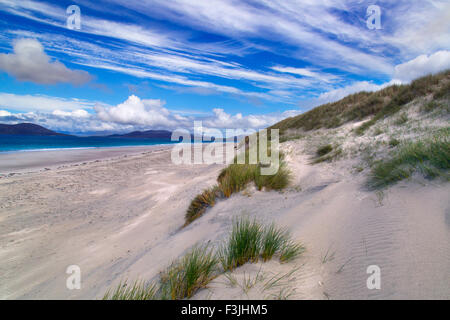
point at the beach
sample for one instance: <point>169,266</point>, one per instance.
<point>118,214</point>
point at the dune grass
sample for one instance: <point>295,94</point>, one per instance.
<point>184,277</point>
<point>137,290</point>
<point>201,202</point>
<point>429,157</point>
<point>276,240</point>
<point>235,178</point>
<point>323,150</point>
<point>326,153</point>
<point>250,241</point>
<point>362,105</point>
<point>244,244</point>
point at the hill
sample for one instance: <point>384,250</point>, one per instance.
<point>360,106</point>
<point>27,129</point>
<point>149,134</point>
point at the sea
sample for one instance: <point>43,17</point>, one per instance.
<point>15,143</point>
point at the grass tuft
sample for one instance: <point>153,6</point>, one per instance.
<point>323,150</point>
<point>393,142</point>
<point>184,277</point>
<point>234,179</point>
<point>138,290</point>
<point>200,203</point>
<point>244,244</point>
<point>430,157</point>
<point>402,119</point>
<point>290,250</point>
<point>326,153</point>
<point>273,241</point>
<point>249,241</point>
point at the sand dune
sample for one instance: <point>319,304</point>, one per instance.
<point>120,218</point>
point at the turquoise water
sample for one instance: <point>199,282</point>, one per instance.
<point>12,143</point>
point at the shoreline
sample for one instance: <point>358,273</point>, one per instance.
<point>28,161</point>
<point>121,219</point>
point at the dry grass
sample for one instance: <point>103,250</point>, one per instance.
<point>201,202</point>
<point>361,105</point>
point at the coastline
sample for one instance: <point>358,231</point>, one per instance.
<point>26,161</point>
<point>121,217</point>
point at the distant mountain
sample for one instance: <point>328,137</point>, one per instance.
<point>149,134</point>
<point>27,129</point>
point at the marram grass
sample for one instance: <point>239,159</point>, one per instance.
<point>137,290</point>
<point>235,178</point>
<point>250,241</point>
<point>184,277</point>
<point>430,157</point>
<point>200,203</point>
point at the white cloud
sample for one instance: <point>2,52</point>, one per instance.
<point>29,62</point>
<point>222,120</point>
<point>135,111</point>
<point>133,114</point>
<point>80,113</point>
<point>423,65</point>
<point>4,113</point>
<point>404,73</point>
<point>340,93</point>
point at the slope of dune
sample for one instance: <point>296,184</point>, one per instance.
<point>122,218</point>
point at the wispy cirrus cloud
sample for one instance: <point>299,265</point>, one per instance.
<point>284,53</point>
<point>42,103</point>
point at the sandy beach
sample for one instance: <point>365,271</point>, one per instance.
<point>117,214</point>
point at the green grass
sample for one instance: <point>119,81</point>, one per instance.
<point>378,131</point>
<point>244,244</point>
<point>326,153</point>
<point>138,290</point>
<point>184,277</point>
<point>402,119</point>
<point>290,250</point>
<point>362,105</point>
<point>323,150</point>
<point>393,142</point>
<point>429,157</point>
<point>272,241</point>
<point>430,106</point>
<point>250,241</point>
<point>436,106</point>
<point>235,178</point>
<point>284,138</point>
<point>443,92</point>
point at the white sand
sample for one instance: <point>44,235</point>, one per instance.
<point>121,218</point>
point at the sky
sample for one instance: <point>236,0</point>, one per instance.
<point>124,65</point>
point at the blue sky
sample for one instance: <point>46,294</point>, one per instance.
<point>162,64</point>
